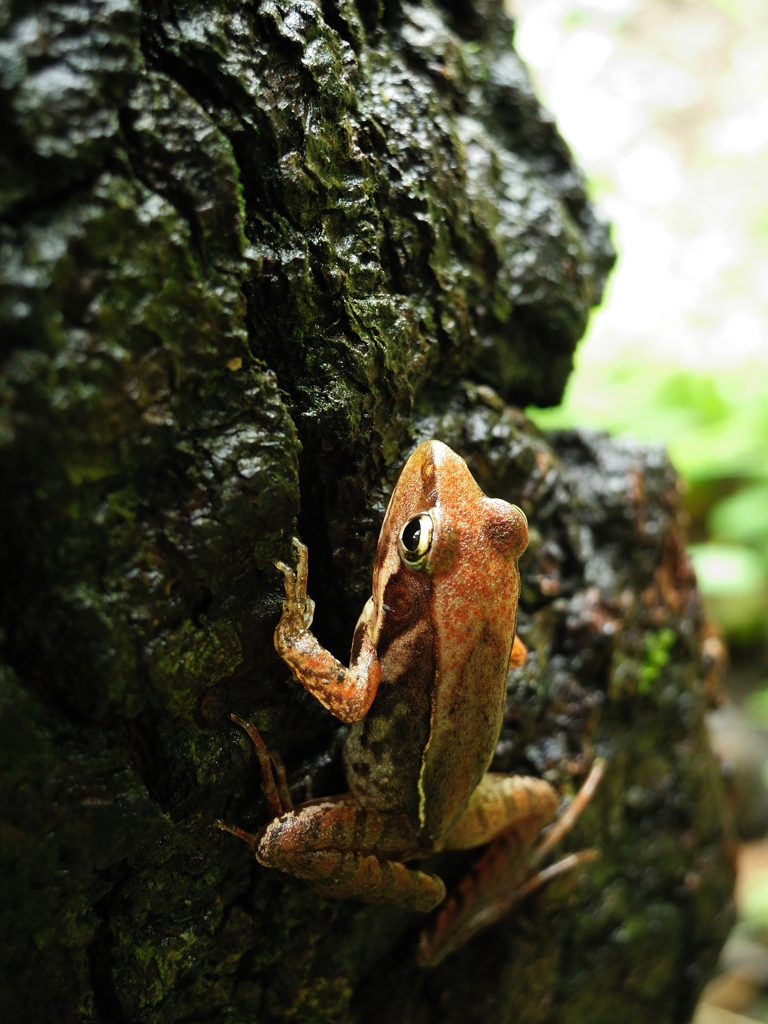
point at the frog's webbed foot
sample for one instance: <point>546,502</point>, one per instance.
<point>298,608</point>
<point>277,794</point>
<point>501,877</point>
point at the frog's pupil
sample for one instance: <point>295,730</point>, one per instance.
<point>412,535</point>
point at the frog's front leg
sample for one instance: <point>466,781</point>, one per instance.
<point>346,692</point>
<point>511,811</point>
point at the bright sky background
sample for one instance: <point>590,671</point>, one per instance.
<point>665,105</point>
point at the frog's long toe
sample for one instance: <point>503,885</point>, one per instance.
<point>247,837</point>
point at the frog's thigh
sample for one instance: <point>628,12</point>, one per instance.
<point>499,803</point>
<point>349,852</point>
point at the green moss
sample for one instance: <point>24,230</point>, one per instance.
<point>657,657</point>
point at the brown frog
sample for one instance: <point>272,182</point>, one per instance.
<point>424,693</point>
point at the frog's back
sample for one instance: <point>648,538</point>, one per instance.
<point>443,630</point>
<point>467,711</point>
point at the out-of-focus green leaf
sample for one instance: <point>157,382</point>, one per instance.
<point>756,708</point>
<point>714,425</point>
<point>754,905</point>
<point>727,569</point>
<point>742,517</point>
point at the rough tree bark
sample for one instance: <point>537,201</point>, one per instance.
<point>252,252</point>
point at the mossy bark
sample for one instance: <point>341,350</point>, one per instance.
<point>251,254</point>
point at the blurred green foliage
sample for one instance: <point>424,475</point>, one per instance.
<point>715,426</point>
<point>756,707</point>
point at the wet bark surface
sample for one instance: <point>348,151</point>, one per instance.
<point>252,253</point>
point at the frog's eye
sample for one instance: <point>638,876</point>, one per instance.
<point>416,538</point>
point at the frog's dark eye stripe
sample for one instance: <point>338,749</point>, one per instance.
<point>416,538</point>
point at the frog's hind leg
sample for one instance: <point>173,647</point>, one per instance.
<point>501,802</point>
<point>277,795</point>
<point>342,849</point>
<point>346,851</point>
<point>506,872</point>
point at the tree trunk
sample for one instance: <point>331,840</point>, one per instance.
<point>253,252</point>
